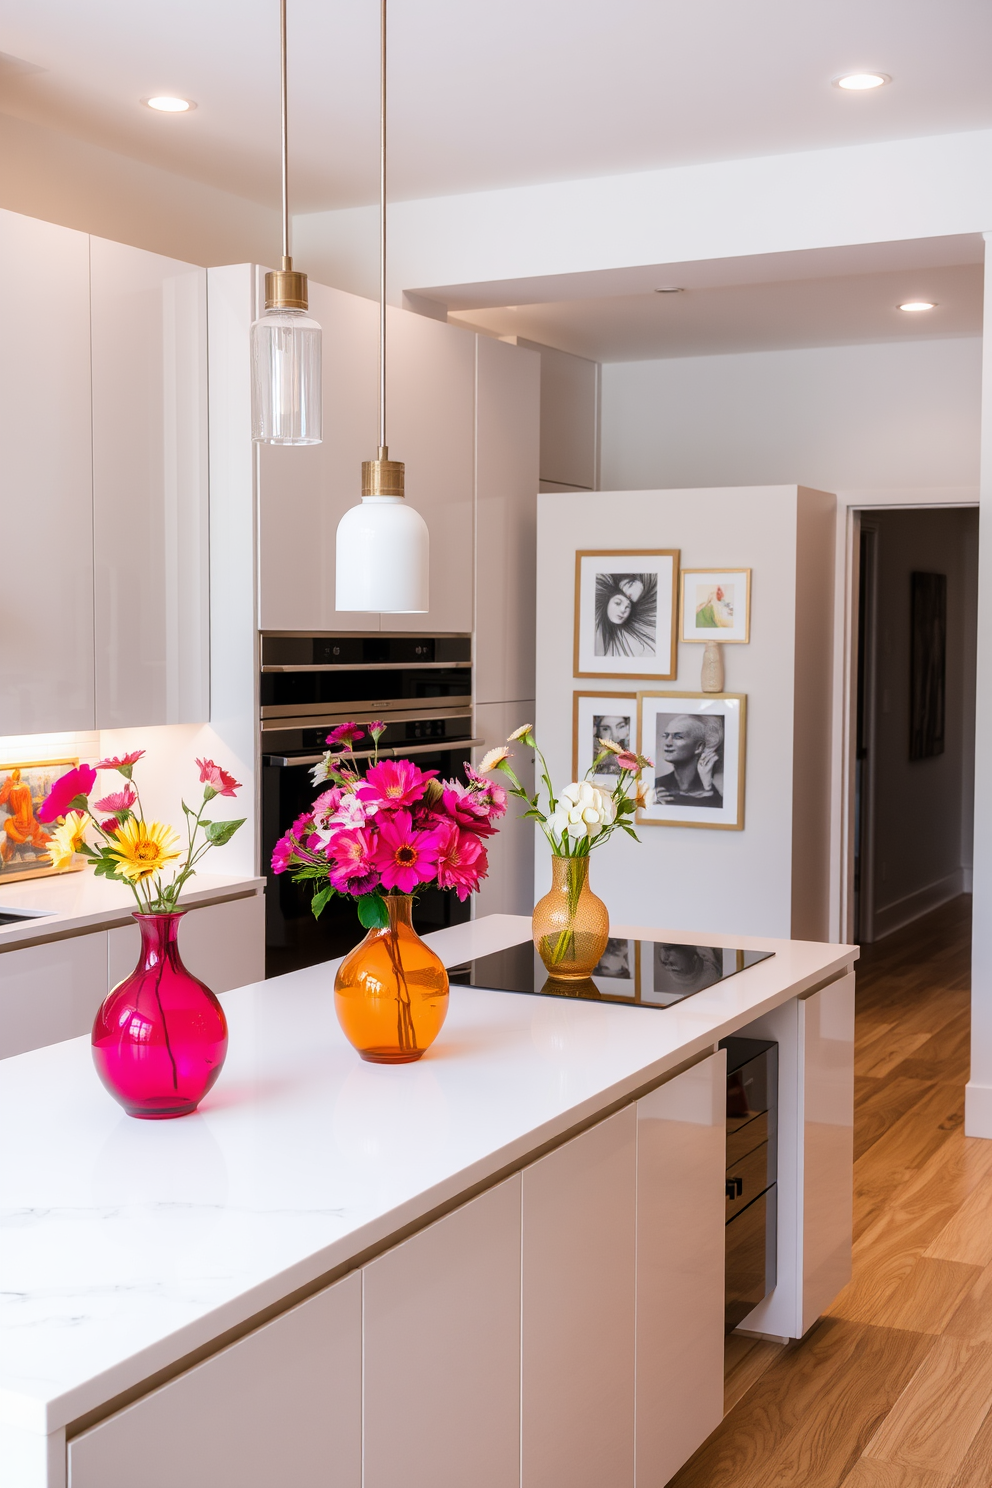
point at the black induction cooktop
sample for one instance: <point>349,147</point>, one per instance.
<point>637,973</point>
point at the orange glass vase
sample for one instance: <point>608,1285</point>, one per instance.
<point>391,992</point>
<point>571,925</point>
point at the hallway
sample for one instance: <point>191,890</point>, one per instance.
<point>893,1387</point>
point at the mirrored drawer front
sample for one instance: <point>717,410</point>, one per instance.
<point>747,1179</point>
<point>744,1136</point>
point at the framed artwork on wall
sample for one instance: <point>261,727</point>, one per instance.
<point>927,664</point>
<point>716,605</point>
<point>23,838</point>
<point>601,715</point>
<point>697,741</point>
<point>625,613</point>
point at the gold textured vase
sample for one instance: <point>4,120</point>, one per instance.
<point>571,925</point>
<point>391,992</point>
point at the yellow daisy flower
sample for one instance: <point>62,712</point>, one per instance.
<point>65,839</point>
<point>493,758</point>
<point>144,848</point>
<point>518,733</point>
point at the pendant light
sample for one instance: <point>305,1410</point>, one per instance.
<point>285,342</point>
<point>383,546</point>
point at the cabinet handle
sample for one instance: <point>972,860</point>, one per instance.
<point>735,1188</point>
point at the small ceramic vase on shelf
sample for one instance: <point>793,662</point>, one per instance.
<point>711,672</point>
<point>391,993</point>
<point>160,1037</point>
<point>571,925</point>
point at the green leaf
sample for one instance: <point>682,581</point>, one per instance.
<point>537,815</point>
<point>79,803</point>
<point>187,809</point>
<point>372,912</point>
<point>319,900</point>
<point>220,832</point>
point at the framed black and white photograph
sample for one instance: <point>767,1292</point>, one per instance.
<point>625,613</point>
<point>697,742</point>
<point>716,605</point>
<point>601,715</point>
<point>615,975</point>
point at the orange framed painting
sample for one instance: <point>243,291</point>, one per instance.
<point>23,838</point>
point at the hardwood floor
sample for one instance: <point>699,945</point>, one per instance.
<point>893,1387</point>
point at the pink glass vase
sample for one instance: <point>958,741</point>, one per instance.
<point>160,1037</point>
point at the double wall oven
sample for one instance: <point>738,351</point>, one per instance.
<point>421,687</point>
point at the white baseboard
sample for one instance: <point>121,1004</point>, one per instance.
<point>977,1110</point>
<point>905,911</point>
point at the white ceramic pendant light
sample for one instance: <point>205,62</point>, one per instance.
<point>383,546</point>
<point>285,341</point>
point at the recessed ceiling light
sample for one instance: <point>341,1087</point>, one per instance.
<point>168,105</point>
<point>669,289</point>
<point>862,82</point>
<point>913,305</point>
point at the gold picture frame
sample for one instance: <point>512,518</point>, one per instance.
<point>726,812</point>
<point>734,635</point>
<point>626,642</point>
<point>579,698</point>
<point>22,836</point>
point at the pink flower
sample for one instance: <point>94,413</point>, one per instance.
<point>351,850</point>
<point>626,760</point>
<point>120,800</point>
<point>216,779</point>
<point>404,858</point>
<point>282,853</point>
<point>376,727</point>
<point>77,782</point>
<point>326,804</point>
<point>123,763</point>
<point>110,825</point>
<point>394,783</point>
<point>461,862</point>
<point>492,794</point>
<point>345,733</point>
<point>351,812</point>
<point>467,807</point>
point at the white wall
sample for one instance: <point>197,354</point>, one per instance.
<point>898,414</point>
<point>46,174</point>
<point>922,808</point>
<point>693,879</point>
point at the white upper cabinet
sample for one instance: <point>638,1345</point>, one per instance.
<point>304,491</point>
<point>46,593</point>
<point>149,487</point>
<point>430,423</point>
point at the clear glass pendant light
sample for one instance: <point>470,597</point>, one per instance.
<point>383,545</point>
<point>285,340</point>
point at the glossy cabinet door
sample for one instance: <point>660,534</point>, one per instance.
<point>222,944</point>
<point>826,1038</point>
<point>578,1248</point>
<point>431,427</point>
<point>508,443</point>
<point>681,1161</point>
<point>304,491</point>
<point>150,545</point>
<point>442,1352</point>
<point>46,576</point>
<point>51,992</point>
<point>281,1405</point>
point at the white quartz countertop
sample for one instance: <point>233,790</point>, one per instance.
<point>125,1244</point>
<point>73,903</point>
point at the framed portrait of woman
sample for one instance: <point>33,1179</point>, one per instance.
<point>625,613</point>
<point>697,742</point>
<point>597,716</point>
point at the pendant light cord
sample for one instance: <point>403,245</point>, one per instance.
<point>285,135</point>
<point>382,228</point>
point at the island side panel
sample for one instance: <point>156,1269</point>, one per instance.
<point>681,1161</point>
<point>282,1405</point>
<point>442,1352</point>
<point>826,1023</point>
<point>578,1310</point>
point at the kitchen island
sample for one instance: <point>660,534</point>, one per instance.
<point>501,1265</point>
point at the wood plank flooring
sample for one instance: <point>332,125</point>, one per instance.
<point>893,1387</point>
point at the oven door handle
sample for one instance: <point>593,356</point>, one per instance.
<point>401,750</point>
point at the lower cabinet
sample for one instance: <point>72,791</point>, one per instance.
<point>826,1037</point>
<point>549,1333</point>
<point>281,1406</point>
<point>51,992</point>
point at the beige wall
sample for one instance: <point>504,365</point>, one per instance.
<point>50,175</point>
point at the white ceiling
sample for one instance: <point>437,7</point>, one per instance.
<point>487,95</point>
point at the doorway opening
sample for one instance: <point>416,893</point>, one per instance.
<point>914,755</point>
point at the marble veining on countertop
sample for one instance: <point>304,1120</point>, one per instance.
<point>125,1244</point>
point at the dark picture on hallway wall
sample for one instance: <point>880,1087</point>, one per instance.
<point>927,665</point>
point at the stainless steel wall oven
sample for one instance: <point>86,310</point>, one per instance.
<point>421,686</point>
